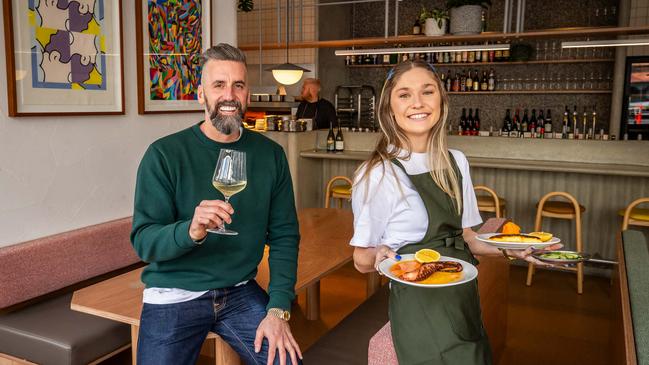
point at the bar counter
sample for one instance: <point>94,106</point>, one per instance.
<point>604,176</point>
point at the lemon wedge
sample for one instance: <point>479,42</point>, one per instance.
<point>427,255</point>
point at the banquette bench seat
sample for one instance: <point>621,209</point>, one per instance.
<point>36,283</point>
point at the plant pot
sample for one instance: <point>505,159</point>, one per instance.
<point>432,29</point>
<point>466,19</point>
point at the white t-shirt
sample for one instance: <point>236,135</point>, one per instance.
<point>383,215</point>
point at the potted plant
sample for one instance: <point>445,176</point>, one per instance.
<point>466,15</point>
<point>435,23</point>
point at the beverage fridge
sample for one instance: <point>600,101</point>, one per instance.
<point>635,108</point>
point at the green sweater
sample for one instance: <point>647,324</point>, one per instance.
<point>174,176</point>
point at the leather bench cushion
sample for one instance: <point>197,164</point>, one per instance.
<point>636,257</point>
<point>348,341</point>
<point>51,333</point>
<point>34,268</point>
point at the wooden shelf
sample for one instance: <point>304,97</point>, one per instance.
<point>467,64</point>
<point>591,32</point>
<point>504,92</point>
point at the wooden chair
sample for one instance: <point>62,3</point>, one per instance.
<point>571,210</point>
<point>490,203</point>
<point>340,192</point>
<point>635,216</point>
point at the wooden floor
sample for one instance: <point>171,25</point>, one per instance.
<point>549,323</point>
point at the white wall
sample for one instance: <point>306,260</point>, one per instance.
<point>62,173</point>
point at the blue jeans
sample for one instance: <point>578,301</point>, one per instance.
<point>174,333</point>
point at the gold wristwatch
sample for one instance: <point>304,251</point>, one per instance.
<point>280,313</point>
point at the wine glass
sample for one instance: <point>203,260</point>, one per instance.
<point>229,178</point>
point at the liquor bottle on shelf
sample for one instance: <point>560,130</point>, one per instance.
<point>540,125</point>
<point>476,122</point>
<point>465,56</point>
<point>531,125</point>
<point>469,124</point>
<point>484,82</point>
<point>571,131</point>
<point>594,116</point>
<point>491,55</point>
<point>476,81</point>
<point>340,143</point>
<point>506,54</point>
<point>456,83</point>
<point>348,60</point>
<point>564,127</point>
<point>485,54</point>
<point>469,82</point>
<point>416,28</point>
<point>491,83</point>
<point>498,55</point>
<point>516,125</point>
<point>507,124</point>
<point>463,81</point>
<point>525,123</point>
<point>471,58</point>
<point>462,126</point>
<point>548,125</point>
<point>448,81</point>
<point>483,22</point>
<point>386,59</point>
<point>478,56</point>
<point>394,59</point>
<point>584,131</point>
<point>331,139</point>
<point>442,79</point>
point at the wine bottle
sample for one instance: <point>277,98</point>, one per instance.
<point>492,80</point>
<point>462,125</point>
<point>531,126</point>
<point>525,122</point>
<point>564,128</point>
<point>540,125</point>
<point>548,125</point>
<point>331,139</point>
<point>469,124</point>
<point>571,129</point>
<point>476,123</point>
<point>507,124</point>
<point>340,143</point>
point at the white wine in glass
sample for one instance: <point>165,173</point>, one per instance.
<point>229,178</point>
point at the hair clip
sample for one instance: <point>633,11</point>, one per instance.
<point>390,73</point>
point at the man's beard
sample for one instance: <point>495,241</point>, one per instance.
<point>225,124</point>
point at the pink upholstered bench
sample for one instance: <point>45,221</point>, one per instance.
<point>36,280</point>
<point>492,273</point>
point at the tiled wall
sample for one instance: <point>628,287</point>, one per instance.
<point>262,23</point>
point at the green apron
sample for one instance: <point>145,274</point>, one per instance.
<point>438,325</point>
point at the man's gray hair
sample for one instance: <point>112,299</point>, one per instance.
<point>223,52</point>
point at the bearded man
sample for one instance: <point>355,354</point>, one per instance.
<point>197,282</point>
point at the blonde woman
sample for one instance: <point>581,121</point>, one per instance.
<point>415,193</point>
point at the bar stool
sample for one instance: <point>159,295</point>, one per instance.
<point>340,191</point>
<point>562,210</point>
<point>490,203</point>
<point>635,216</point>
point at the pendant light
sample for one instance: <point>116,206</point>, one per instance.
<point>287,73</point>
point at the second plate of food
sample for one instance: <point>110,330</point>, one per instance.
<point>560,257</point>
<point>442,274</point>
<point>515,241</point>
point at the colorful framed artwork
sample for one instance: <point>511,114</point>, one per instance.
<point>171,34</point>
<point>64,57</point>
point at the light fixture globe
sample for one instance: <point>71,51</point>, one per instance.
<point>287,73</point>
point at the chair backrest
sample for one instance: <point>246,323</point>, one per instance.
<point>629,209</point>
<point>493,195</point>
<point>328,192</point>
<point>571,199</point>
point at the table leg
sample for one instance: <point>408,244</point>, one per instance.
<point>373,283</point>
<point>224,354</point>
<point>135,330</point>
<point>313,302</point>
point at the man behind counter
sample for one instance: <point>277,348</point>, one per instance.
<point>312,106</point>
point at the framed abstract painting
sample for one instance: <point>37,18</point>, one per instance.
<point>64,57</point>
<point>171,35</point>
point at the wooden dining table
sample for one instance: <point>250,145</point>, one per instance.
<point>324,247</point>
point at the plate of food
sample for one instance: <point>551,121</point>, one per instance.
<point>560,257</point>
<point>511,238</point>
<point>445,271</point>
<point>519,241</point>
